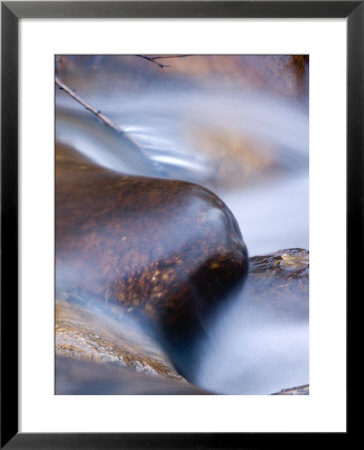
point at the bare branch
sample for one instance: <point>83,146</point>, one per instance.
<point>61,60</point>
<point>104,119</point>
<point>169,56</point>
<point>154,59</point>
<point>148,58</point>
<point>89,107</point>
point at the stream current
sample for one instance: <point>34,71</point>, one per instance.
<point>181,132</point>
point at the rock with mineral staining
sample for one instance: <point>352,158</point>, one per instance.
<point>163,249</point>
<point>280,280</point>
<point>291,263</point>
<point>89,378</point>
<point>91,335</point>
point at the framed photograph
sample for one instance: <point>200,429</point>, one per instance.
<point>181,219</point>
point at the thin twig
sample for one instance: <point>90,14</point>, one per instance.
<point>104,119</point>
<point>89,107</point>
<point>154,59</point>
<point>169,57</point>
<point>151,59</point>
<point>98,113</point>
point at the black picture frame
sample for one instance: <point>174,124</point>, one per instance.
<point>11,12</point>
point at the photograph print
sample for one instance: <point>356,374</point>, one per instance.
<point>182,224</point>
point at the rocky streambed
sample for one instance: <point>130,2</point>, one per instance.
<point>155,293</point>
<point>101,354</point>
<point>143,268</point>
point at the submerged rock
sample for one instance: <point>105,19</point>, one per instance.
<point>300,390</point>
<point>92,335</point>
<point>89,378</point>
<point>162,249</point>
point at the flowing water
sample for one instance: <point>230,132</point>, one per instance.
<point>251,148</point>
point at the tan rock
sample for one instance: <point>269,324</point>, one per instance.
<point>89,335</point>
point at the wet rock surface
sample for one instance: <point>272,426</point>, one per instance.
<point>89,335</point>
<point>89,378</point>
<point>280,280</point>
<point>291,263</point>
<point>166,250</point>
<point>299,390</point>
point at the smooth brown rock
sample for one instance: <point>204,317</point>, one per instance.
<point>91,335</point>
<point>166,250</point>
<point>89,378</point>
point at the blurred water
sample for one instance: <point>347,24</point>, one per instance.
<point>274,216</point>
<point>254,349</point>
<point>180,133</point>
<point>271,204</point>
